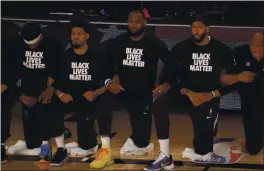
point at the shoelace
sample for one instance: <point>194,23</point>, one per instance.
<point>101,153</point>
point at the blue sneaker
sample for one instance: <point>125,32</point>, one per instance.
<point>45,154</point>
<point>161,162</point>
<point>212,158</point>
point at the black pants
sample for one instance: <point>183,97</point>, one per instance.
<point>85,113</point>
<point>253,114</point>
<point>42,122</point>
<point>140,112</point>
<point>6,104</point>
<point>204,119</point>
<point>163,106</point>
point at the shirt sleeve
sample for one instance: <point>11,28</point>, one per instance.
<point>233,69</point>
<point>171,70</point>
<point>227,59</point>
<point>106,70</point>
<point>53,62</point>
<point>111,60</point>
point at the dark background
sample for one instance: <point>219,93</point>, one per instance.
<point>224,13</point>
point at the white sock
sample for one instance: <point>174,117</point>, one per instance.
<point>165,147</point>
<point>106,141</point>
<point>60,141</point>
<point>45,142</point>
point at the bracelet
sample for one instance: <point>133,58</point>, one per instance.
<point>213,94</point>
<point>94,92</point>
<point>108,82</point>
<point>61,95</point>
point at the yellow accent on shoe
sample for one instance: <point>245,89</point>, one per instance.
<point>103,158</point>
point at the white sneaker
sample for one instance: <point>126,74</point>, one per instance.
<point>129,148</point>
<point>79,151</point>
<point>14,149</point>
<point>30,152</point>
<point>71,145</point>
<point>190,154</point>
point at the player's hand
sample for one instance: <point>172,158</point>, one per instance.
<point>160,90</point>
<point>90,95</point>
<point>115,88</point>
<point>204,97</point>
<point>246,76</point>
<point>66,98</point>
<point>3,88</point>
<point>194,97</point>
<point>46,96</point>
<point>28,100</point>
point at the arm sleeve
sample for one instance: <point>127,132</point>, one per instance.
<point>106,71</point>
<point>228,60</point>
<point>171,70</point>
<point>56,73</point>
<point>111,60</point>
<point>232,67</point>
<point>16,69</point>
<point>56,51</point>
<point>163,54</point>
<point>229,89</point>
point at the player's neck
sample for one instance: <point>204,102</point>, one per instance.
<point>137,38</point>
<point>205,41</point>
<point>82,50</point>
<point>36,44</point>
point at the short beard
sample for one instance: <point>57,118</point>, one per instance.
<point>76,46</point>
<point>199,40</point>
<point>137,33</point>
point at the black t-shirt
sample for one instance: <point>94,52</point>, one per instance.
<point>246,62</point>
<point>34,66</point>
<point>80,73</point>
<point>136,62</point>
<point>198,68</point>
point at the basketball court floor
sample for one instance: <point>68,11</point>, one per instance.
<point>230,126</point>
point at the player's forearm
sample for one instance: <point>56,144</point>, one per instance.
<point>229,79</point>
<point>101,91</point>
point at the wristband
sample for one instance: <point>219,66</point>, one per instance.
<point>94,92</point>
<point>213,94</point>
<point>61,95</point>
<point>107,82</point>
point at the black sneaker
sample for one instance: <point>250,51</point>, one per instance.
<point>59,157</point>
<point>3,154</point>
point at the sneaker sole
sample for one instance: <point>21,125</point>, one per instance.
<point>58,165</point>
<point>138,153</point>
<point>170,167</point>
<point>43,161</point>
<point>128,153</point>
<point>106,164</point>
